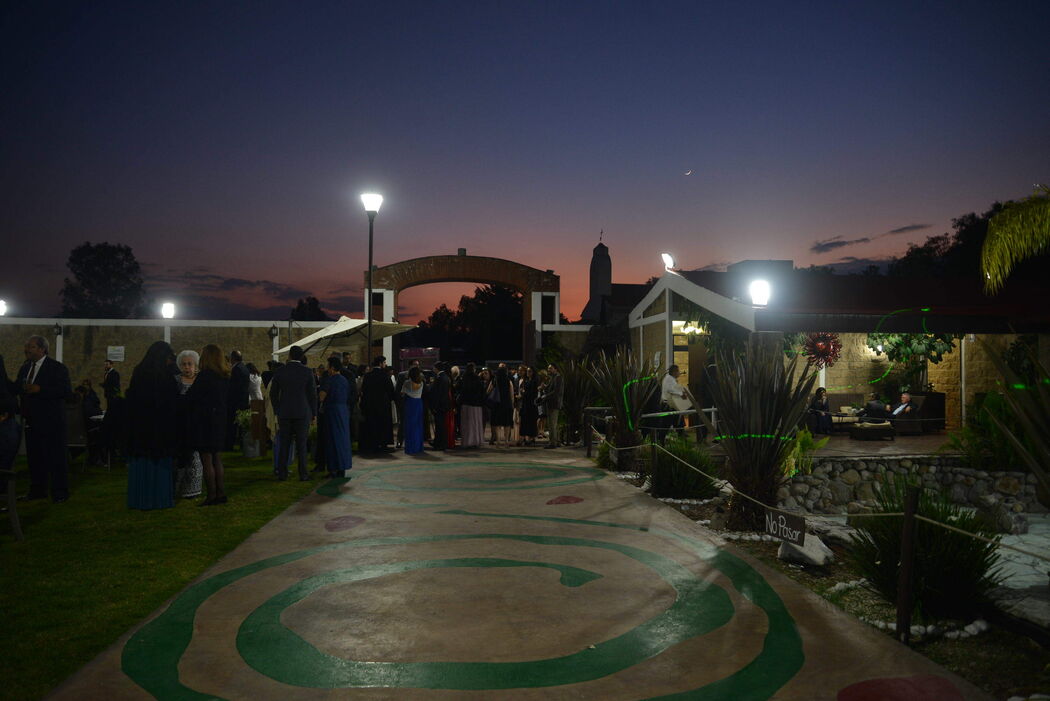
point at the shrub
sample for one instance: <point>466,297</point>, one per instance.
<point>761,401</point>
<point>624,382</point>
<point>800,459</point>
<point>602,459</point>
<point>670,478</point>
<point>953,573</point>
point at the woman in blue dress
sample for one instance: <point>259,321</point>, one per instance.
<point>151,400</point>
<point>413,415</point>
<point>335,392</point>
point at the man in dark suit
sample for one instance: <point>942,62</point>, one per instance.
<point>110,383</point>
<point>439,401</point>
<point>237,399</point>
<point>906,409</point>
<point>293,393</point>
<point>44,386</point>
<point>377,391</point>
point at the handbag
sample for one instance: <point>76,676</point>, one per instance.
<point>492,400</point>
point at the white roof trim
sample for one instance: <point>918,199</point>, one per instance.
<point>742,315</point>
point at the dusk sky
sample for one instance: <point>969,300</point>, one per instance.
<point>227,142</point>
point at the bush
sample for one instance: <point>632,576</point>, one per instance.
<point>800,459</point>
<point>670,478</point>
<point>953,573</point>
<point>602,459</point>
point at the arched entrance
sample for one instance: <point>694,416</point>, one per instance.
<point>540,289</point>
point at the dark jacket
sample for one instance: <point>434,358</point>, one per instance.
<point>553,392</point>
<point>377,391</point>
<point>207,407</point>
<point>48,405</point>
<point>472,391</point>
<point>111,384</point>
<point>293,392</point>
<point>238,387</point>
<point>439,396</point>
<point>151,403</point>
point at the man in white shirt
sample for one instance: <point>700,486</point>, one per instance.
<point>672,395</point>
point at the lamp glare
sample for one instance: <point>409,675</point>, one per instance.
<point>759,290</point>
<point>668,261</point>
<point>167,310</point>
<point>3,307</point>
<point>372,202</point>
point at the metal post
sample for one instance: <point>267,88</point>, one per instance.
<point>368,297</point>
<point>904,574</point>
<point>587,432</point>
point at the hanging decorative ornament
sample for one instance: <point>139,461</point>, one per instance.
<point>822,349</point>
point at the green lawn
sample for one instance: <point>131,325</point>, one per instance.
<point>91,568</point>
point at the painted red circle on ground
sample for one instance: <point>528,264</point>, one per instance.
<point>343,523</point>
<point>565,500</point>
<point>921,688</point>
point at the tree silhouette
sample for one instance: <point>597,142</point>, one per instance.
<point>106,284</point>
<point>309,309</point>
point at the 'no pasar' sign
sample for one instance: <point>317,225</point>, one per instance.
<point>786,527</point>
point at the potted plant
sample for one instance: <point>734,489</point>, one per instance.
<point>249,445</point>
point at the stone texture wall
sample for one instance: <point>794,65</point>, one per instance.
<point>84,346</point>
<point>653,340</point>
<point>848,485</point>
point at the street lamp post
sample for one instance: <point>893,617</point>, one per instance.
<point>372,203</point>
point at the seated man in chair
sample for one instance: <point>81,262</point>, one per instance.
<point>875,410</point>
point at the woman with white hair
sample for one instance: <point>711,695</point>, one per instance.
<point>188,467</point>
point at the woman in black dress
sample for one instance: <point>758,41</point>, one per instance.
<point>529,411</point>
<point>820,412</point>
<point>503,412</point>
<point>207,409</point>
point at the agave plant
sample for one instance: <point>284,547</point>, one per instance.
<point>1029,402</point>
<point>761,402</point>
<point>578,392</point>
<point>625,383</point>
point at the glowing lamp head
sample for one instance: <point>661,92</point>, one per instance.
<point>668,261</point>
<point>167,310</point>
<point>372,202</point>
<point>3,307</point>
<point>759,291</point>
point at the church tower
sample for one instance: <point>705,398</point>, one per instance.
<point>601,282</point>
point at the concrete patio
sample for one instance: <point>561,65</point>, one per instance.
<point>513,574</point>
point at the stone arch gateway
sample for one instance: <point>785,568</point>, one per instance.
<point>540,289</point>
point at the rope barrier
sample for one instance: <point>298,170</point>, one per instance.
<point>1044,558</point>
<point>723,484</point>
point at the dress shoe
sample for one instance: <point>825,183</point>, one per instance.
<point>32,497</point>
<point>304,479</point>
<point>61,500</point>
<point>220,500</point>
<point>207,502</point>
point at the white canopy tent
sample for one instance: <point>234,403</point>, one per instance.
<point>345,335</point>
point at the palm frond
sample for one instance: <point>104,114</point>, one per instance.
<point>1020,231</point>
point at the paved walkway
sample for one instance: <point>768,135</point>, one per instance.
<point>515,574</point>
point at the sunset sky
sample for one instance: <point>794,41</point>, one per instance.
<point>227,142</point>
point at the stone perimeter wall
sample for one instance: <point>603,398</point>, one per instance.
<point>848,485</point>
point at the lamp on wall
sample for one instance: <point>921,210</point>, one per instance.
<point>57,329</point>
<point>668,261</point>
<point>272,333</point>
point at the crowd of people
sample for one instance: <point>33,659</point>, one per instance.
<point>179,414</point>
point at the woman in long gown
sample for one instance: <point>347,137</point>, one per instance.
<point>151,398</point>
<point>189,472</point>
<point>472,402</point>
<point>529,410</point>
<point>207,405</point>
<point>334,395</point>
<point>503,412</point>
<point>413,411</point>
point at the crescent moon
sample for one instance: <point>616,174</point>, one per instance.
<point>689,172</point>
